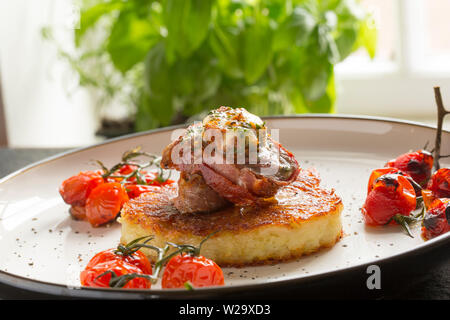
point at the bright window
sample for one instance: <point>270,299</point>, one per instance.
<point>413,56</point>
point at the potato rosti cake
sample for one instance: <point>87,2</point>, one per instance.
<point>300,219</point>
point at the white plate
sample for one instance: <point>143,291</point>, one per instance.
<point>44,250</point>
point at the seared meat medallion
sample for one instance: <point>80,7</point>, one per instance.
<point>245,166</point>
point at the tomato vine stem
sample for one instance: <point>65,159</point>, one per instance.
<point>441,113</point>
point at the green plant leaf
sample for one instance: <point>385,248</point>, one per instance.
<point>257,49</point>
<point>131,38</point>
<point>345,42</point>
<point>295,30</point>
<point>349,10</point>
<point>278,10</point>
<point>296,99</point>
<point>197,80</point>
<point>90,16</point>
<point>187,24</point>
<point>153,112</point>
<point>314,77</point>
<point>157,72</point>
<point>225,44</point>
<point>325,104</point>
<point>368,36</point>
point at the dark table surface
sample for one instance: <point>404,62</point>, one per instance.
<point>423,277</point>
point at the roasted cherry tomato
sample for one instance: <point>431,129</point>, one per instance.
<point>76,189</point>
<point>437,219</point>
<point>104,203</point>
<point>126,169</point>
<point>93,277</point>
<point>439,183</point>
<point>135,190</point>
<point>378,173</point>
<point>123,171</point>
<point>391,194</point>
<point>78,212</point>
<point>428,198</point>
<point>152,179</point>
<point>382,171</point>
<point>196,270</point>
<point>138,259</point>
<point>416,164</point>
<point>123,260</point>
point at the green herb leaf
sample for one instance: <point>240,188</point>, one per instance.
<point>345,42</point>
<point>188,285</point>
<point>90,16</point>
<point>404,222</point>
<point>131,38</point>
<point>225,45</point>
<point>295,30</point>
<point>313,77</point>
<point>157,72</point>
<point>257,48</point>
<point>187,24</point>
<point>368,36</point>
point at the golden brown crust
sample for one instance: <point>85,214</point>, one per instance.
<point>300,201</point>
<point>271,261</point>
<point>301,219</point>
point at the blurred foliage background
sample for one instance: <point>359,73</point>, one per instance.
<point>171,61</point>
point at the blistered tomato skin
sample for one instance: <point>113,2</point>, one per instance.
<point>391,194</point>
<point>105,202</point>
<point>439,183</point>
<point>126,169</point>
<point>135,190</point>
<point>138,259</point>
<point>76,189</point>
<point>382,171</point>
<point>416,164</point>
<point>197,270</point>
<point>92,277</point>
<point>120,264</point>
<point>378,173</point>
<point>78,212</point>
<point>437,219</point>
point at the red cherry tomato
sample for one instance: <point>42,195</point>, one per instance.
<point>120,263</point>
<point>78,212</point>
<point>198,270</point>
<point>416,164</point>
<point>437,219</point>
<point>138,259</point>
<point>105,202</point>
<point>439,183</point>
<point>152,179</point>
<point>76,189</point>
<point>382,171</point>
<point>126,169</point>
<point>428,198</point>
<point>135,190</point>
<point>378,173</point>
<point>391,194</point>
<point>91,277</point>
